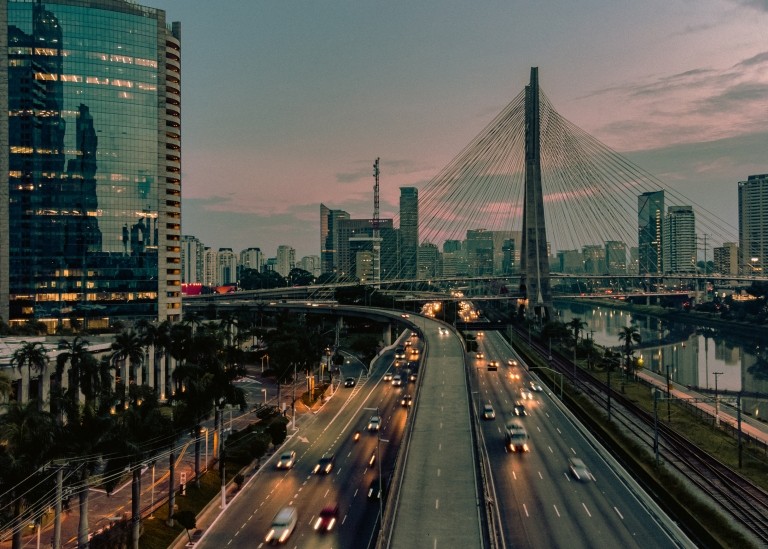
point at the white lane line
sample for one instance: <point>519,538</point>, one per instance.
<point>558,430</point>
<point>438,472</point>
<point>619,513</point>
<point>437,504</point>
<point>540,476</point>
<point>514,475</point>
<point>526,510</point>
<point>550,450</point>
<point>556,511</point>
<point>587,510</point>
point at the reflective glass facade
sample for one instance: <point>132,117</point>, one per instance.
<point>87,191</point>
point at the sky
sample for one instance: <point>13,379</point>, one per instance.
<point>286,104</point>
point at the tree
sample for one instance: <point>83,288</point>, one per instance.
<point>34,356</point>
<point>188,520</point>
<point>128,347</point>
<point>27,434</point>
<point>629,335</point>
<point>577,325</point>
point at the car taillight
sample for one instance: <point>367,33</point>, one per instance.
<point>318,523</point>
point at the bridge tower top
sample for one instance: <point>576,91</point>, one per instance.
<point>534,282</point>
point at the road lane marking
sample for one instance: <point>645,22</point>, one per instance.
<point>438,472</point>
<point>437,503</point>
<point>618,513</point>
<point>556,511</point>
<point>526,510</point>
<point>550,450</point>
<point>587,510</point>
<point>514,475</point>
<point>540,476</point>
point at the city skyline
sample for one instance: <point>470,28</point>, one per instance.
<point>325,92</point>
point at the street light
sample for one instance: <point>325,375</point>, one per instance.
<point>717,401</point>
<point>265,396</point>
<point>262,362</point>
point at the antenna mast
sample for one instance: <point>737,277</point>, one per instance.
<point>375,224</point>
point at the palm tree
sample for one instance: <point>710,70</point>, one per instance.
<point>75,353</point>
<point>139,434</point>
<point>27,434</point>
<point>128,348</point>
<point>577,325</point>
<point>35,357</point>
<point>629,335</point>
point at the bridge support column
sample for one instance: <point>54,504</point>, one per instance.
<point>386,335</point>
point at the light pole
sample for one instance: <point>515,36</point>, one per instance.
<point>262,362</point>
<point>293,405</point>
<point>669,388</point>
<point>327,363</point>
<point>265,396</point>
<point>717,401</point>
<point>205,430</point>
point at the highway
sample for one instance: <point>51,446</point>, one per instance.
<point>539,500</point>
<point>247,519</point>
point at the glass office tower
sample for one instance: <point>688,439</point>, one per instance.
<point>94,160</point>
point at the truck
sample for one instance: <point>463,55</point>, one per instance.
<point>516,438</point>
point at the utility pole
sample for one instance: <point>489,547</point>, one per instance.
<point>57,506</point>
<point>738,421</point>
<point>717,400</point>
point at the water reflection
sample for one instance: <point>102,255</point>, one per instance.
<point>702,358</point>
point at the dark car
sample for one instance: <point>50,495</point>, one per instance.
<point>350,382</point>
<point>520,409</point>
<point>324,465</point>
<point>327,518</point>
<point>406,401</point>
<point>375,489</point>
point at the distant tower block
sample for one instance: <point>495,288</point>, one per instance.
<point>534,282</point>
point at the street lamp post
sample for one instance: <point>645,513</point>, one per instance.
<point>669,390</point>
<point>717,400</point>
<point>265,396</point>
<point>262,362</point>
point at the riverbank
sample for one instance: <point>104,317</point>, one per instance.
<point>710,320</point>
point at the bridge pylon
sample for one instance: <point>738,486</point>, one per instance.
<point>534,283</point>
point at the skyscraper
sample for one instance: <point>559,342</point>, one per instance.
<point>192,259</point>
<point>650,211</point>
<point>616,257</point>
<point>753,225</point>
<point>679,240</point>
<point>409,231</point>
<point>90,215</point>
<point>286,260</point>
<point>329,240</point>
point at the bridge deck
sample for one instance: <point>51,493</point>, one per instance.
<point>437,502</point>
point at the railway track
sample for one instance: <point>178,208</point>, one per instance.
<point>745,502</point>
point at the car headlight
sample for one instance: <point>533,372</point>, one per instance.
<point>318,523</point>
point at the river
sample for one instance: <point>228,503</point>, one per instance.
<point>696,356</point>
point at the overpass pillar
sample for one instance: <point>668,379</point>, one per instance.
<point>386,335</point>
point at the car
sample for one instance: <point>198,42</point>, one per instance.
<point>374,424</point>
<point>493,365</point>
<point>282,525</point>
<point>535,387</point>
<point>406,401</point>
<point>350,382</point>
<point>512,362</point>
<point>286,460</point>
<point>388,376</point>
<point>579,470</point>
<point>442,330</point>
<point>414,353</point>
<point>480,355</point>
<point>412,375</point>
<point>488,412</point>
<point>525,393</point>
<point>408,343</point>
<point>327,518</point>
<point>519,409</point>
<point>513,375</point>
<point>374,489</point>
<point>397,381</point>
<point>480,334</point>
<point>399,353</point>
<point>324,465</point>
<point>404,315</point>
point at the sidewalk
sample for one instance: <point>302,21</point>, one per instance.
<point>727,413</point>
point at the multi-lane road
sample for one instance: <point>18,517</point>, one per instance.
<point>356,465</point>
<point>540,502</point>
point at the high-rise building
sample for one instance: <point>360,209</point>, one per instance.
<point>753,225</point>
<point>650,213</point>
<point>329,239</point>
<point>479,252</point>
<point>90,214</point>
<point>727,259</point>
<point>252,258</point>
<point>286,260</point>
<point>679,240</point>
<point>428,262</point>
<point>409,231</point>
<point>594,259</point>
<point>311,264</point>
<point>210,267</point>
<point>616,257</point>
<point>570,261</point>
<point>192,260</point>
<point>226,272</point>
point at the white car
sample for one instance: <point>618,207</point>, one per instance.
<point>397,381</point>
<point>535,387</point>
<point>579,470</point>
<point>287,459</point>
<point>282,525</point>
<point>374,424</point>
<point>488,412</point>
<point>525,393</point>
